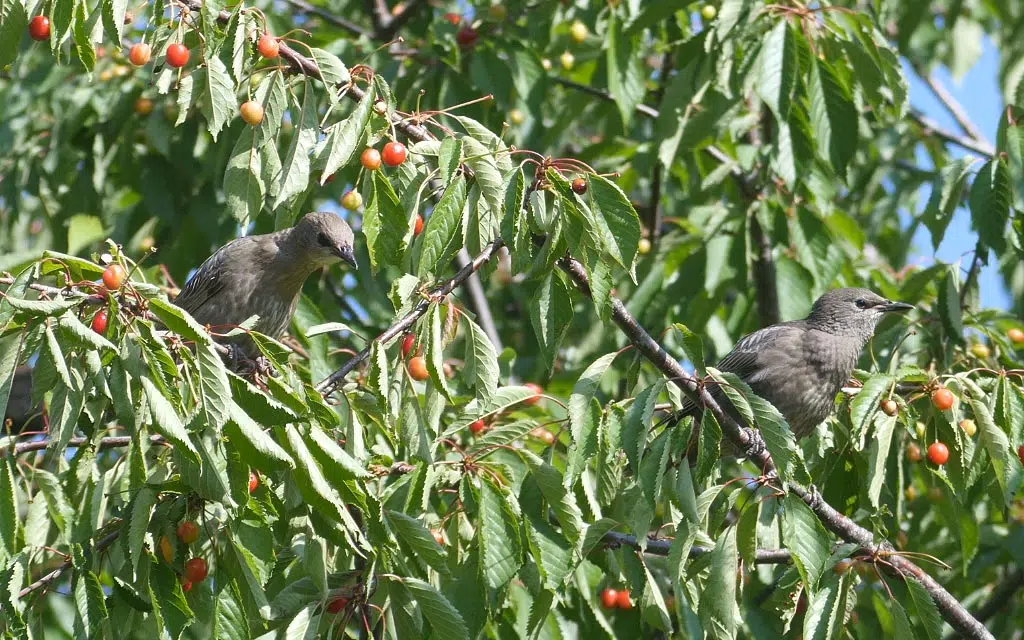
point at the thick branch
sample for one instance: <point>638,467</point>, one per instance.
<point>764,275</point>
<point>331,383</point>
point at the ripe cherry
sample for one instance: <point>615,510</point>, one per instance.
<point>418,229</point>
<point>1020,453</point>
<point>197,569</point>
<point>177,55</point>
<point>942,398</point>
<point>269,46</point>
<point>337,605</point>
<point>140,53</point>
<point>352,200</point>
<point>938,453</point>
<point>418,368</point>
<point>370,159</point>
<point>453,18</point>
<point>477,427</point>
<point>889,407</point>
<point>254,482</point>
<point>143,106</point>
<point>99,322</point>
<point>113,277</point>
<point>252,112</point>
<point>969,427</point>
<point>1015,335</point>
<point>467,36</point>
<point>579,186</point>
<point>394,154</point>
<point>622,600</point>
<point>188,532</point>
<point>39,28</point>
<point>914,452</point>
<point>537,391</point>
<point>186,584</point>
<point>407,344</point>
<point>609,598</point>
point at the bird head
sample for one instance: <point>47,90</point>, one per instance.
<point>325,238</point>
<point>852,312</point>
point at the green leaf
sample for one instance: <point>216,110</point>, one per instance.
<point>295,170</point>
<point>833,116</point>
<point>41,307</point>
<point>638,423</point>
<point>442,232</point>
<point>179,321</point>
<point>878,455</point>
<point>990,203</point>
<point>256,445</point>
<point>746,532</point>
<point>485,172</point>
<point>84,47</point>
<point>449,158</point>
<point>997,445</point>
<point>385,224</point>
<point>804,536</point>
<point>90,601</point>
<point>551,313</point>
<point>499,535</point>
<point>264,409</point>
<point>621,223</point>
<point>244,189</point>
<point>412,532</point>
<point>946,197</point>
<point>332,69</point>
<point>717,609</point>
<point>140,511</point>
<point>584,416</point>
<point>165,592</point>
<point>166,421</point>
<point>693,345</point>
<point>219,105</point>
<point>481,360</point>
<point>778,70</point>
<point>11,539</point>
<point>950,311</point>
<point>778,437</point>
<point>866,403</point>
<point>827,608</point>
<point>435,348</point>
<point>625,70</point>
<point>562,501</point>
<point>445,619</point>
<point>13,26</point>
<point>337,462</point>
<point>343,139</point>
<point>927,612</point>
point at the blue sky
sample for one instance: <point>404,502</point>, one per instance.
<point>978,91</point>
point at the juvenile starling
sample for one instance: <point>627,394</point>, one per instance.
<point>800,366</point>
<point>263,275</point>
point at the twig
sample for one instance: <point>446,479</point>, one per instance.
<point>660,547</point>
<point>337,21</point>
<point>104,443</point>
<point>330,384</point>
<point>478,298</point>
<point>980,257</point>
<point>952,105</point>
<point>932,127</point>
<point>49,578</point>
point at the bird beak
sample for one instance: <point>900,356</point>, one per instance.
<point>891,306</point>
<point>347,254</point>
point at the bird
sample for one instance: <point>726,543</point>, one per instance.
<point>263,275</point>
<point>800,366</point>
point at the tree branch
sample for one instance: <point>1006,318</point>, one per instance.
<point>330,384</point>
<point>661,547</point>
<point>51,577</point>
<point>952,105</point>
<point>931,127</point>
<point>337,21</point>
<point>1003,592</point>
<point>478,298</point>
<point>105,443</point>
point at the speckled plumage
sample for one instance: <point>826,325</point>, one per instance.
<point>263,275</point>
<point>800,366</point>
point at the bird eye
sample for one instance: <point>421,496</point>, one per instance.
<point>323,239</point>
<point>861,303</point>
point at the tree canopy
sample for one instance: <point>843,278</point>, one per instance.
<point>579,207</point>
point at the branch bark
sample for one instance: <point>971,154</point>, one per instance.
<point>952,105</point>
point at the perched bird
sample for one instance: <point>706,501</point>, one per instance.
<point>263,275</point>
<point>800,366</point>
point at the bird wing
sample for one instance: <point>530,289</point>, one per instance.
<point>205,283</point>
<point>745,359</point>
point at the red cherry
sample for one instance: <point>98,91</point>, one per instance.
<point>269,46</point>
<point>609,597</point>
<point>1020,453</point>
<point>370,159</point>
<point>39,28</point>
<point>407,344</point>
<point>418,368</point>
<point>254,482</point>
<point>453,18</point>
<point>938,453</point>
<point>336,605</point>
<point>942,398</point>
<point>438,536</point>
<point>419,225</point>
<point>467,36</point>
<point>186,584</point>
<point>477,427</point>
<point>622,600</point>
<point>197,569</point>
<point>579,186</point>
<point>99,322</point>
<point>394,154</point>
<point>140,53</point>
<point>537,390</point>
<point>113,277</point>
<point>188,532</point>
<point>177,55</point>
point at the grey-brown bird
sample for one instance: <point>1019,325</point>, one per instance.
<point>263,275</point>
<point>800,366</point>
